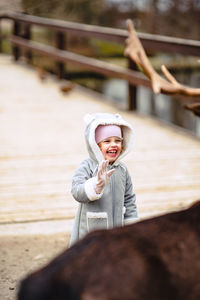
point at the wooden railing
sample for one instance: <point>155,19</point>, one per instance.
<point>62,56</point>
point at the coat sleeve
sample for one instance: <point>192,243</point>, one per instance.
<point>131,214</point>
<point>83,184</point>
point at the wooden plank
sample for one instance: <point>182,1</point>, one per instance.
<point>42,142</point>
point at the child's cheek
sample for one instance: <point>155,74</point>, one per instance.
<point>102,150</point>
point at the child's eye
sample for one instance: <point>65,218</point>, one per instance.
<point>118,141</point>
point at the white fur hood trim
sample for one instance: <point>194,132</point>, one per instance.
<point>93,121</point>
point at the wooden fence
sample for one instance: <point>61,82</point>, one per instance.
<point>21,38</point>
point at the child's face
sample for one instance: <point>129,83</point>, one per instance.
<point>111,148</point>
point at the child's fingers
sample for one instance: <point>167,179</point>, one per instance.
<point>99,173</point>
<point>102,170</point>
<point>109,173</point>
<point>99,176</point>
<point>104,165</point>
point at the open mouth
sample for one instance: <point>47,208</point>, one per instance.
<point>112,152</point>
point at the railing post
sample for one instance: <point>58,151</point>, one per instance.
<point>1,35</point>
<point>60,43</point>
<point>27,35</point>
<point>132,90</point>
<point>16,31</point>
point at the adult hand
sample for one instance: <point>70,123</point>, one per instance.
<point>103,176</point>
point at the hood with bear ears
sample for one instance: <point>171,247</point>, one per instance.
<point>93,121</point>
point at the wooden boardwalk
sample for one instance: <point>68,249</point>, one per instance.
<point>42,142</point>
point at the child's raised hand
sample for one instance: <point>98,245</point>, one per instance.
<point>102,176</point>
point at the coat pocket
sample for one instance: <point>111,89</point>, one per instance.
<point>97,220</point>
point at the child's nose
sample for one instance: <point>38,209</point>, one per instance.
<point>113,143</point>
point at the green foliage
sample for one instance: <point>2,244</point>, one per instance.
<point>107,49</point>
<point>44,36</point>
<point>6,47</point>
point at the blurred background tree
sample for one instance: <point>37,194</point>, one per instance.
<point>179,18</point>
<point>83,11</point>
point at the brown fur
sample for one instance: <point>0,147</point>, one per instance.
<point>156,259</point>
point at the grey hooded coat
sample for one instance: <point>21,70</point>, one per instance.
<point>115,206</point>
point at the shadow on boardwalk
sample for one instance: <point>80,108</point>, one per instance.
<point>42,142</point>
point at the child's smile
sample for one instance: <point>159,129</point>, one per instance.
<point>111,148</point>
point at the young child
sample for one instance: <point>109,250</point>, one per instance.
<point>101,184</point>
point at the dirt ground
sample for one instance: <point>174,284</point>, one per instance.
<point>20,255</point>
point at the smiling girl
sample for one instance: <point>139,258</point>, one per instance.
<point>102,184</point>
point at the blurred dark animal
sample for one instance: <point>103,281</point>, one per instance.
<point>156,259</point>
